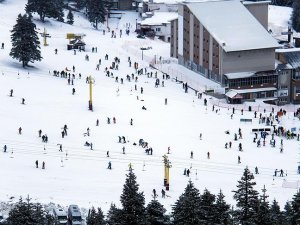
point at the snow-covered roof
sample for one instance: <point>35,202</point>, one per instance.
<point>292,56</point>
<point>233,94</point>
<point>239,75</point>
<point>281,50</point>
<point>232,25</point>
<point>253,90</point>
<point>164,1</point>
<point>159,18</point>
<point>256,3</point>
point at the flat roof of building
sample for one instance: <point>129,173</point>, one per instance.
<point>232,25</point>
<point>159,18</point>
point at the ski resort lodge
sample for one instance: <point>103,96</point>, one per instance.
<point>227,41</point>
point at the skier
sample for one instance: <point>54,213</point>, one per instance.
<point>43,165</point>
<point>256,170</point>
<point>11,92</point>
<point>192,154</point>
<point>114,120</point>
<point>55,50</point>
<point>239,159</point>
<point>142,90</point>
<point>131,121</point>
<point>23,101</point>
<point>20,130</point>
<point>107,154</point>
<point>130,167</point>
<point>200,136</point>
<point>91,145</point>
<point>109,165</point>
<point>63,134</point>
<point>240,147</point>
<point>166,101</point>
<point>97,122</point>
<point>154,194</point>
<point>73,91</point>
<point>230,144</point>
<point>163,193</point>
<point>60,147</point>
<point>281,173</point>
<point>88,131</point>
<point>188,172</point>
<point>4,148</point>
<point>208,155</point>
<point>226,145</point>
<point>37,164</point>
<point>168,150</point>
<point>40,133</point>
<point>123,149</point>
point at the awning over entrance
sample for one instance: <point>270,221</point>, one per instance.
<point>233,94</point>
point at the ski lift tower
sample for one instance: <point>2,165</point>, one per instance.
<point>91,82</point>
<point>45,35</point>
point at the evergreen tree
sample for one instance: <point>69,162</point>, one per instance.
<point>247,198</point>
<point>46,8</point>
<point>276,215</point>
<point>296,16</point>
<point>96,11</point>
<point>186,210</point>
<point>25,42</point>
<point>70,17</point>
<point>207,208</point>
<point>133,202</point>
<point>263,214</point>
<point>288,213</point>
<point>114,216</point>
<point>155,214</point>
<point>296,209</point>
<point>282,2</point>
<point>95,218</point>
<point>222,210</point>
<point>26,213</point>
<point>80,4</point>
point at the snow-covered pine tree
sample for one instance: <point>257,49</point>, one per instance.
<point>114,216</point>
<point>296,208</point>
<point>263,215</point>
<point>222,210</point>
<point>70,17</point>
<point>155,214</point>
<point>288,213</point>
<point>95,218</point>
<point>46,8</point>
<point>247,199</point>
<point>25,212</point>
<point>276,215</point>
<point>96,11</point>
<point>25,42</point>
<point>133,202</point>
<point>207,208</point>
<point>296,16</point>
<point>186,210</point>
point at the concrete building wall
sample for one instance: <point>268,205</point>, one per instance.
<point>260,11</point>
<point>186,33</point>
<point>180,30</point>
<point>248,61</point>
<point>191,37</point>
<point>174,38</point>
<point>196,41</point>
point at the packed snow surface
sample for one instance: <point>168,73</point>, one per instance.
<point>78,175</point>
